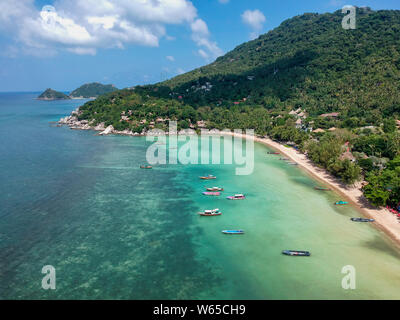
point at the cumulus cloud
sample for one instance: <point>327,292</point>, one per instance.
<point>170,58</point>
<point>255,19</point>
<point>83,26</point>
<point>201,36</point>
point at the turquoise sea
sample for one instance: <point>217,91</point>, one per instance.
<point>80,203</point>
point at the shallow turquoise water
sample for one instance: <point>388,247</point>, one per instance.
<point>80,202</point>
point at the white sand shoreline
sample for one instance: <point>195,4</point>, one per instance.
<point>384,219</point>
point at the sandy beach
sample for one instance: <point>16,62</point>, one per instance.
<point>384,219</point>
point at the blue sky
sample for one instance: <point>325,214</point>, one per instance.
<point>130,42</point>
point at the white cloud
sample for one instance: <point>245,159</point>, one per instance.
<point>201,36</point>
<point>255,19</point>
<point>170,58</point>
<point>83,26</point>
<point>203,54</point>
<point>180,71</point>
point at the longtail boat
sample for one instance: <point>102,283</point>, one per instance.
<point>215,189</point>
<point>322,189</point>
<point>209,177</point>
<point>237,197</point>
<point>284,159</point>
<point>215,194</point>
<point>276,153</point>
<point>362,220</point>
<point>211,213</point>
<point>296,253</point>
<point>293,164</point>
<point>341,203</point>
<point>146,167</point>
<point>233,232</point>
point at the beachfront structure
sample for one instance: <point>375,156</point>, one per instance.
<point>348,156</point>
<point>330,115</point>
<point>201,124</point>
<point>319,130</point>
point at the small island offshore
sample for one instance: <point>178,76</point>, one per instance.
<point>86,91</point>
<point>50,94</point>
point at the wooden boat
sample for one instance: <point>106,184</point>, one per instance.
<point>233,232</point>
<point>293,164</point>
<point>237,197</point>
<point>209,177</point>
<point>146,167</point>
<point>296,253</point>
<point>341,203</point>
<point>273,153</point>
<point>211,213</point>
<point>215,189</point>
<point>362,220</point>
<point>322,189</point>
<point>214,194</point>
<point>284,159</point>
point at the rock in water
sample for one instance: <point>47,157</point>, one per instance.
<point>108,130</point>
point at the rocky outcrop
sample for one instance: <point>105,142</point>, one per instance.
<point>108,130</point>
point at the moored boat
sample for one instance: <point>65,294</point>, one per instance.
<point>215,194</point>
<point>284,159</point>
<point>237,197</point>
<point>276,153</point>
<point>293,164</point>
<point>362,220</point>
<point>322,189</point>
<point>211,213</point>
<point>341,203</point>
<point>146,167</point>
<point>209,177</point>
<point>296,253</point>
<point>233,232</point>
<point>215,189</point>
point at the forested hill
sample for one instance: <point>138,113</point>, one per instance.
<point>90,90</point>
<point>309,61</point>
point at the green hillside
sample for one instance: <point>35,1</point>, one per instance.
<point>309,61</point>
<point>50,94</point>
<point>90,90</point>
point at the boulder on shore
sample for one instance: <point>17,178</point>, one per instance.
<point>108,130</point>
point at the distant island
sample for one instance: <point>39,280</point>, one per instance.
<point>50,94</point>
<point>92,90</point>
<point>86,91</point>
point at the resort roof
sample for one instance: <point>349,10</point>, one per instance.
<point>319,130</point>
<point>347,156</point>
<point>330,115</point>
